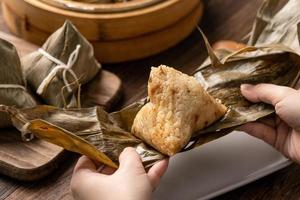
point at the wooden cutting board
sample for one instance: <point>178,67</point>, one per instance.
<point>33,160</point>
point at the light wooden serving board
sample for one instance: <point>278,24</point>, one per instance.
<point>33,160</point>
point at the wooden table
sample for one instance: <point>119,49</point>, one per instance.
<point>224,19</point>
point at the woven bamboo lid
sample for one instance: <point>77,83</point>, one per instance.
<point>102,7</point>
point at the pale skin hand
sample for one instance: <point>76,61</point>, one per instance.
<point>282,131</point>
<point>129,182</point>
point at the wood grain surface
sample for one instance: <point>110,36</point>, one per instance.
<point>223,19</point>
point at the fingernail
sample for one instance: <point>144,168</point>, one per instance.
<point>246,86</point>
<point>128,149</point>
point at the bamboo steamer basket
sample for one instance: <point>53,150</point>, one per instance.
<point>101,7</point>
<point>140,31</point>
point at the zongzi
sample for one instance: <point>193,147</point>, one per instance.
<point>13,90</point>
<point>65,61</point>
<point>178,106</point>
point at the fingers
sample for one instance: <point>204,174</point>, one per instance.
<point>157,171</point>
<point>104,169</point>
<point>84,176</point>
<point>84,163</point>
<point>275,137</point>
<point>269,121</point>
<point>267,93</point>
<point>281,137</point>
<point>260,131</point>
<point>289,110</point>
<point>131,161</point>
<point>284,99</point>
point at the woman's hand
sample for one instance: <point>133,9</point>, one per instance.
<point>282,131</point>
<point>130,181</point>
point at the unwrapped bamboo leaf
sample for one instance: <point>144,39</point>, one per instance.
<point>271,27</point>
<point>272,51</point>
<point>274,64</point>
<point>89,131</point>
<point>67,140</point>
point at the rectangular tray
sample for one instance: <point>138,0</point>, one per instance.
<point>218,167</point>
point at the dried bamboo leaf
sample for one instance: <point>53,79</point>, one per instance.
<point>264,17</point>
<point>273,32</point>
<point>67,140</point>
<point>213,57</point>
<point>275,64</point>
<point>101,133</point>
<point>281,27</point>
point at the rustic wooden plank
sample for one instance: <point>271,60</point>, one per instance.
<point>54,186</point>
<point>7,186</point>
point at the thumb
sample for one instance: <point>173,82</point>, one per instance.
<point>267,93</point>
<point>84,163</point>
<point>289,110</point>
<point>284,99</point>
<point>130,161</point>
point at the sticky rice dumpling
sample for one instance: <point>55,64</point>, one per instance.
<point>178,106</point>
<point>61,66</point>
<point>13,90</point>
